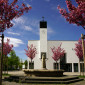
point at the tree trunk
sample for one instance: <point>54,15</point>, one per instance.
<point>82,37</point>
<point>1,66</point>
<point>4,64</point>
<point>59,65</point>
<point>31,63</point>
<point>7,65</point>
<point>80,67</point>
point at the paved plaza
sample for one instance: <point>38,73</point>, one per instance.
<point>14,83</point>
<point>22,73</point>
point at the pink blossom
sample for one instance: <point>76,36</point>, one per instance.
<point>78,49</point>
<point>7,47</point>
<point>57,52</point>
<point>31,52</point>
<point>76,15</point>
<point>9,12</point>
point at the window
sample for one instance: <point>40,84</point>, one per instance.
<point>63,62</point>
<point>75,67</point>
<point>69,67</point>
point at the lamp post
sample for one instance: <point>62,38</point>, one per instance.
<point>83,37</point>
<point>1,63</point>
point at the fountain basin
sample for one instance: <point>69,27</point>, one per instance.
<point>43,72</point>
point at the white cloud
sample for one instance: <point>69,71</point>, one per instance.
<point>28,5</point>
<point>27,24</point>
<point>33,22</point>
<point>15,41</point>
<point>13,23</point>
<point>19,20</point>
<point>13,33</point>
<point>50,30</point>
<point>28,28</point>
<point>21,51</point>
<point>24,21</point>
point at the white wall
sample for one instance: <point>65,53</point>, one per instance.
<point>70,52</point>
<point>50,61</point>
<point>68,47</point>
<point>37,61</point>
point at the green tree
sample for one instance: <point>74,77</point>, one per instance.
<point>20,65</point>
<point>26,64</point>
<point>13,60</point>
<point>4,62</point>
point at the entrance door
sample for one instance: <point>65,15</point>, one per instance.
<point>75,67</point>
<point>68,67</point>
<point>63,62</point>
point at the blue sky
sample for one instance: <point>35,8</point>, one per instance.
<point>27,26</point>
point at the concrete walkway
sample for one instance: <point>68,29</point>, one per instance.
<point>22,73</point>
<point>16,73</point>
<point>14,83</point>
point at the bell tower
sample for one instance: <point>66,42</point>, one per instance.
<point>43,38</point>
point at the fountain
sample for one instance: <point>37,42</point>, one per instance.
<point>43,72</point>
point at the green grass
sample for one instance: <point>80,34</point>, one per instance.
<point>5,74</point>
<point>81,76</point>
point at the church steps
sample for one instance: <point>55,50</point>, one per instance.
<point>45,80</point>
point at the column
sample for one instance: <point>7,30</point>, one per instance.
<point>72,67</point>
<point>79,67</point>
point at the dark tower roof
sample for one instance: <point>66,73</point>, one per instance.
<point>43,24</point>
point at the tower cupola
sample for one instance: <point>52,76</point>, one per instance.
<point>43,24</point>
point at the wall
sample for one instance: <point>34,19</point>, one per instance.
<point>43,40</point>
<point>68,47</point>
<point>37,60</point>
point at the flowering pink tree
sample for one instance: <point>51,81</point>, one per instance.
<point>31,52</point>
<point>7,47</point>
<point>57,53</point>
<point>79,51</point>
<point>6,50</point>
<point>76,15</point>
<point>9,11</point>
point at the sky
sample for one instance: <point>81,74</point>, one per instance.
<point>27,28</point>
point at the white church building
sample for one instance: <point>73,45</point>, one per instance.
<point>70,62</point>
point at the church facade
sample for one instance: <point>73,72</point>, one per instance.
<point>70,62</point>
